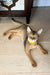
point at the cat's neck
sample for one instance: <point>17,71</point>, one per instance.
<point>32,41</point>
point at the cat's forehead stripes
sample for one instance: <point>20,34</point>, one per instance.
<point>33,32</point>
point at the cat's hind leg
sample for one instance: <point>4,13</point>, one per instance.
<point>11,31</point>
<point>5,33</point>
<point>12,34</point>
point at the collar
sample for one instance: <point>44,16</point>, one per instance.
<point>31,41</point>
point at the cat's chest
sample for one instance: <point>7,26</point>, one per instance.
<point>31,45</point>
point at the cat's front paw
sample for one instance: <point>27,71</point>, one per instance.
<point>45,52</point>
<point>34,65</point>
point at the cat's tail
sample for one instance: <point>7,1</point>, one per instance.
<point>19,22</point>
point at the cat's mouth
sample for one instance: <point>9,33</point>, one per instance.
<point>31,40</point>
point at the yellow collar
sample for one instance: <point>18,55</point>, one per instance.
<point>31,41</point>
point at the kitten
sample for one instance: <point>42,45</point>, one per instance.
<point>31,41</point>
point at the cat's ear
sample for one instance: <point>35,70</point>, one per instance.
<point>28,29</point>
<point>40,31</point>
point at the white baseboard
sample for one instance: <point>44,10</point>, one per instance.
<point>39,3</point>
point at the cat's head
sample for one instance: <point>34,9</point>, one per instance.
<point>33,35</point>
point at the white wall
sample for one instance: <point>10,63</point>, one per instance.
<point>41,3</point>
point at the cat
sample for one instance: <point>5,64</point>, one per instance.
<point>31,40</point>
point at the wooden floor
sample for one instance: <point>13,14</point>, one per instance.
<point>13,59</point>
